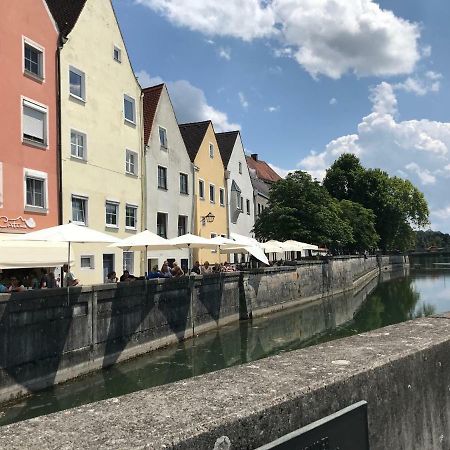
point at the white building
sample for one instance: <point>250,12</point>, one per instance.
<point>241,217</point>
<point>169,175</point>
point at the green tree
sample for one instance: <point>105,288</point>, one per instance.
<point>362,222</point>
<point>301,208</point>
<point>397,204</point>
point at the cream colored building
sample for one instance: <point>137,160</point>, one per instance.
<point>101,140</point>
<point>210,196</point>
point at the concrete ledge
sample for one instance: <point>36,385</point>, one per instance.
<point>403,371</point>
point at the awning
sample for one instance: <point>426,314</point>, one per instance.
<point>21,254</point>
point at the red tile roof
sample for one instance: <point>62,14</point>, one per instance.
<point>263,170</point>
<point>151,100</point>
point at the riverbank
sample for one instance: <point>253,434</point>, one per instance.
<point>52,336</point>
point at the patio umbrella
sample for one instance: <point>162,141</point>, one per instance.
<point>191,241</point>
<point>272,247</point>
<point>144,241</point>
<point>69,233</point>
<point>244,240</point>
<point>254,250</point>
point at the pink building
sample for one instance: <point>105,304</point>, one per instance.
<point>28,139</point>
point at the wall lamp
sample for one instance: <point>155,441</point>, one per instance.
<point>208,218</point>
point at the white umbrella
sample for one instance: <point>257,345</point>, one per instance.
<point>244,240</point>
<point>144,241</point>
<point>272,247</point>
<point>190,241</point>
<point>69,233</point>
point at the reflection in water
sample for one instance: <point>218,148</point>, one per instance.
<point>396,299</point>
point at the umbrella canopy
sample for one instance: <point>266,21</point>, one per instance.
<point>143,241</point>
<point>68,233</point>
<point>192,241</point>
<point>257,252</point>
<point>272,247</point>
<point>244,240</point>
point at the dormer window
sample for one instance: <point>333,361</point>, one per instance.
<point>163,137</point>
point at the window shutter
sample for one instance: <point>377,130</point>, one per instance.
<point>33,123</point>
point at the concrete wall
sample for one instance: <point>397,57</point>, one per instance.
<point>48,336</point>
<point>402,371</point>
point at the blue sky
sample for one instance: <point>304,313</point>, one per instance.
<point>305,80</point>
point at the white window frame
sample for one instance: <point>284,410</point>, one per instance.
<point>211,150</point>
<point>136,163</point>
<point>164,147</point>
<point>86,209</point>
<point>42,176</point>
<point>33,104</point>
<point>222,190</point>
<point>200,180</point>
<point>91,262</point>
<point>187,183</point>
<point>166,188</point>
<point>119,52</point>
<point>167,223</point>
<point>84,157</point>
<point>133,101</point>
<point>135,207</point>
<point>124,267</point>
<point>212,200</point>
<point>117,205</point>
<point>41,50</point>
<point>186,218</point>
<point>83,84</point>
<point>240,167</point>
<point>247,205</point>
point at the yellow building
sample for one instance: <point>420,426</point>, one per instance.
<point>101,139</point>
<point>210,197</point>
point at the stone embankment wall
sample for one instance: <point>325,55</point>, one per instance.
<point>49,336</point>
<point>402,371</point>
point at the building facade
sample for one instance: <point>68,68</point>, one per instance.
<point>29,189</point>
<point>101,135</point>
<point>169,176</point>
<point>239,184</point>
<point>210,196</point>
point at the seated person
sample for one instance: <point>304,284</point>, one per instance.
<point>126,277</point>
<point>206,269</point>
<point>3,288</point>
<point>112,278</point>
<point>16,285</point>
<point>165,270</point>
<point>196,268</point>
<point>227,267</point>
<point>177,271</point>
<point>155,273</point>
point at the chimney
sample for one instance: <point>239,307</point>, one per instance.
<point>254,156</point>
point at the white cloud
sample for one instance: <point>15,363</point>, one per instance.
<point>415,149</point>
<point>431,82</point>
<point>224,53</point>
<point>282,172</point>
<point>272,109</point>
<point>243,100</point>
<point>328,37</point>
<point>333,101</point>
<point>190,103</point>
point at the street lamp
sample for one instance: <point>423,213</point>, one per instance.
<point>208,218</point>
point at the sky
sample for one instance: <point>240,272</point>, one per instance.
<point>307,80</point>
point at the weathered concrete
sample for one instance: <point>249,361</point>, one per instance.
<point>50,336</point>
<point>403,371</point>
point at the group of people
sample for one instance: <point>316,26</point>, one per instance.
<point>208,269</point>
<point>22,280</point>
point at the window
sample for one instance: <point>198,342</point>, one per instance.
<point>248,206</point>
<point>79,209</point>
<point>161,225</point>
<point>259,209</point>
<point>34,123</point>
<point>212,193</point>
<point>129,109</point>
<point>87,262</point>
<point>33,59</point>
<point>35,192</point>
<point>77,83</point>
<point>77,144</point>
<point>240,167</point>
<point>222,196</point>
<point>183,183</point>
<point>241,203</point>
<point>163,137</point>
<point>213,235</point>
<point>128,262</point>
<point>117,55</point>
<point>211,151</point>
<point>182,225</point>
<point>162,177</point>
<point>131,162</point>
<point>112,214</point>
<point>201,189</point>
<point>131,217</point>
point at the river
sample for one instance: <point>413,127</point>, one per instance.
<point>391,298</point>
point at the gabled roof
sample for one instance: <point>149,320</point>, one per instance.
<point>226,143</point>
<point>263,170</point>
<point>193,135</point>
<point>66,13</point>
<point>150,103</point>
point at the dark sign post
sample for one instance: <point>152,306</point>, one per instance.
<point>344,430</point>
